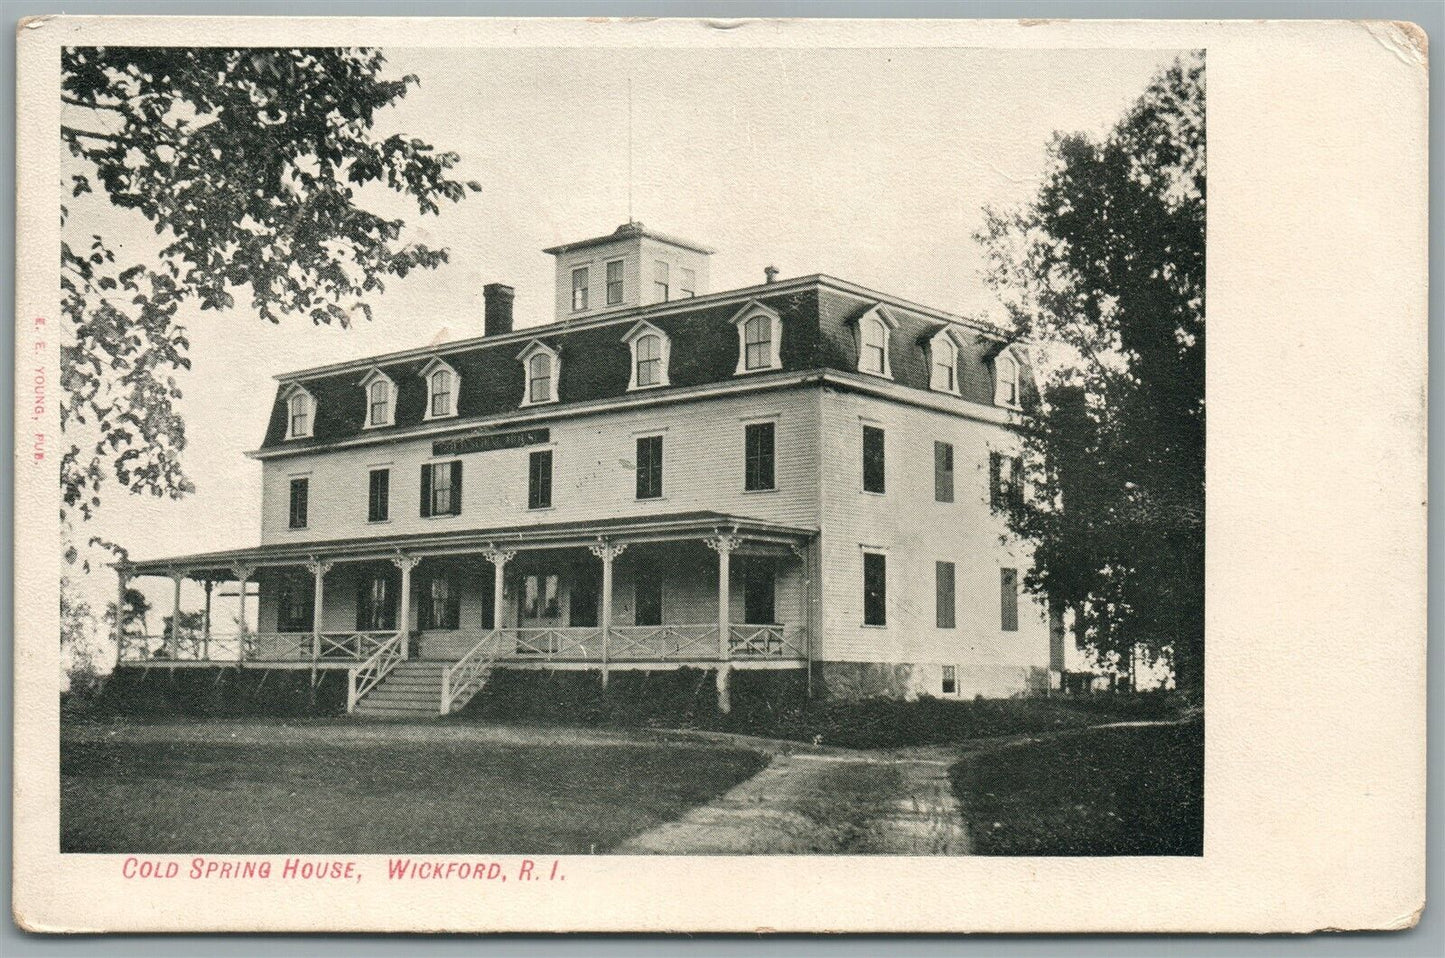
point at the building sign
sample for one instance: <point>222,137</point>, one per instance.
<point>490,442</point>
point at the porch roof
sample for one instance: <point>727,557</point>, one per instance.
<point>682,525</point>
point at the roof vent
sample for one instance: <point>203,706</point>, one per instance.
<point>771,272</point>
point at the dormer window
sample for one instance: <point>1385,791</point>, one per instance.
<point>873,353</point>
<point>441,393</point>
<point>443,386</point>
<point>380,399</point>
<point>760,334</point>
<point>542,367</point>
<point>300,413</point>
<point>943,363</point>
<point>1006,380</point>
<point>651,351</point>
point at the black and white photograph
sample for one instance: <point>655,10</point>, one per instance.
<point>473,422</point>
<point>477,461</point>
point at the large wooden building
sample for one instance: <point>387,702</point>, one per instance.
<point>794,475</point>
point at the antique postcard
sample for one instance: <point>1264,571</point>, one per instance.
<point>553,475</point>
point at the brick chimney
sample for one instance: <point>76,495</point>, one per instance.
<point>497,317</point>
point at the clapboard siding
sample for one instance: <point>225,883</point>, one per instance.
<point>915,532</point>
<point>593,473</point>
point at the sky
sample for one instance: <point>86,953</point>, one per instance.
<point>871,165</point>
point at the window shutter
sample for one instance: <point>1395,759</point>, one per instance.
<point>942,472</point>
<point>995,470</point>
<point>457,487</point>
<point>426,490</point>
<point>1016,486</point>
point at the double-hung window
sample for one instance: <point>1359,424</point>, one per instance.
<point>579,288</point>
<point>943,472</point>
<point>300,494</point>
<point>758,456</point>
<point>441,488</point>
<point>380,405</point>
<point>539,480</point>
<point>441,393</point>
<point>539,378</point>
<point>1008,585</point>
<point>375,604</point>
<point>614,283</point>
<point>661,281</point>
<point>875,588</point>
<point>298,425</point>
<point>649,467</point>
<point>649,360</point>
<point>378,495</point>
<point>686,283</point>
<point>1006,486</point>
<point>874,470</point>
<point>758,342</point>
<point>441,605</point>
<point>875,347</point>
<point>943,576</point>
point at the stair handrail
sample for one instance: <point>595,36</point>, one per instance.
<point>365,677</point>
<point>459,677</point>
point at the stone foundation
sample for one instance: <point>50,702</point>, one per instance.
<point>899,680</point>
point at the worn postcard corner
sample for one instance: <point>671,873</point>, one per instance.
<point>501,475</point>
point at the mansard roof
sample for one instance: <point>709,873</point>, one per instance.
<point>816,314</point>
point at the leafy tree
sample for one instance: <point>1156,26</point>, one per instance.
<point>133,612</point>
<point>77,635</point>
<point>250,166</point>
<point>1105,268</point>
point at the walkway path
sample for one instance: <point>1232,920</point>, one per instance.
<point>836,801</point>
<point>807,803</point>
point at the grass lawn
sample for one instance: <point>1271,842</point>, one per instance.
<point>1109,791</point>
<point>431,791</point>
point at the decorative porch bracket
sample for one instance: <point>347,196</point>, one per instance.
<point>606,551</point>
<point>499,559</point>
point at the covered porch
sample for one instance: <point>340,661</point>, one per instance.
<point>701,590</point>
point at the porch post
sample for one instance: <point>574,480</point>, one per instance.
<point>122,578</point>
<point>606,552</point>
<point>403,615</point>
<point>499,559</point>
<point>803,553</point>
<point>173,641</point>
<point>243,578</point>
<point>206,622</point>
<point>724,545</point>
<point>318,568</point>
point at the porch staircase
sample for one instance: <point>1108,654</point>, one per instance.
<point>412,689</point>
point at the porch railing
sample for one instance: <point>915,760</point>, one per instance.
<point>662,642</point>
<point>365,676</point>
<point>157,648</point>
<point>649,643</point>
<point>352,646</point>
<point>574,642</point>
<point>465,677</point>
<point>767,642</point>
